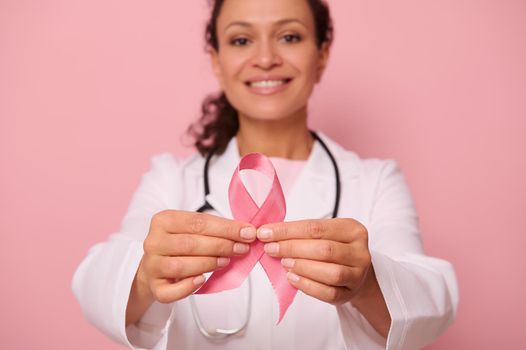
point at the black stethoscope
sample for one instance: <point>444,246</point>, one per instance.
<point>220,333</point>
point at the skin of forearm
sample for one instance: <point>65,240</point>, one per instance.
<point>139,300</point>
<point>371,304</point>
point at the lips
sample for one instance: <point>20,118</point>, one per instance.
<point>267,85</point>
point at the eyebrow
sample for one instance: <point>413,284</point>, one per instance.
<point>277,23</point>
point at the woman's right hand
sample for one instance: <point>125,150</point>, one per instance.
<point>181,246</point>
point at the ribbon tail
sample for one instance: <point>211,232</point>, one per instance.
<point>285,292</point>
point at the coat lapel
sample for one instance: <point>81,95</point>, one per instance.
<point>313,195</point>
<point>220,173</point>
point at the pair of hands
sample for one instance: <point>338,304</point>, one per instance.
<point>326,259</point>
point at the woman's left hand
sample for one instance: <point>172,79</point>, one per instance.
<point>326,259</point>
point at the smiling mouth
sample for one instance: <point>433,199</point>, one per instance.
<point>266,84</point>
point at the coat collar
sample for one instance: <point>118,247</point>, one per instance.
<point>313,194</point>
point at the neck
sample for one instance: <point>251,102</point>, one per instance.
<point>287,138</point>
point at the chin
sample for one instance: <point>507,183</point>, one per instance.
<point>267,115</point>
<point>269,112</point>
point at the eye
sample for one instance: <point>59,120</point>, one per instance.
<point>239,42</point>
<point>291,38</point>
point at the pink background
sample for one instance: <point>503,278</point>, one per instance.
<point>90,90</point>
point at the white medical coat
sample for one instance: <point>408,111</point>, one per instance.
<point>420,291</point>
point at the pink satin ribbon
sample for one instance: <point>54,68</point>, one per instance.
<point>244,208</point>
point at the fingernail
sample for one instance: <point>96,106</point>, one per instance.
<point>222,261</point>
<point>271,248</point>
<point>264,233</point>
<point>293,277</point>
<point>240,248</point>
<point>288,262</point>
<point>248,232</point>
<point>199,280</point>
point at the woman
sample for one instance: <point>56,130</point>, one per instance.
<point>364,280</point>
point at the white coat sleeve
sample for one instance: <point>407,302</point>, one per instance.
<point>102,282</point>
<point>421,292</point>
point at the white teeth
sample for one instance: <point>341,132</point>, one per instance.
<point>267,83</point>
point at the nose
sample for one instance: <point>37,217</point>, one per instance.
<point>266,56</point>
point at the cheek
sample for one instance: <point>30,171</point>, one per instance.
<point>231,66</point>
<point>306,64</point>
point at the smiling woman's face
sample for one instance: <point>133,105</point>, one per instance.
<point>268,61</point>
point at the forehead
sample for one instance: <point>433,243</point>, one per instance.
<point>262,12</point>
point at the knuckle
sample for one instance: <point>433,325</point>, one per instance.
<point>326,250</point>
<point>360,230</point>
<point>280,232</point>
<point>360,254</point>
<point>149,245</point>
<point>287,249</point>
<point>158,294</point>
<point>196,223</point>
<point>315,229</point>
<point>333,295</point>
<point>159,219</point>
<point>147,267</point>
<point>307,286</point>
<point>367,259</point>
<point>225,248</point>
<point>367,256</point>
<point>174,268</point>
<point>163,297</point>
<point>347,221</point>
<point>339,275</point>
<point>186,244</point>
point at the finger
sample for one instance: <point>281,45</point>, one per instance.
<point>322,250</point>
<point>166,291</point>
<point>323,292</point>
<point>175,221</point>
<point>194,245</point>
<point>183,267</point>
<point>340,229</point>
<point>327,273</point>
